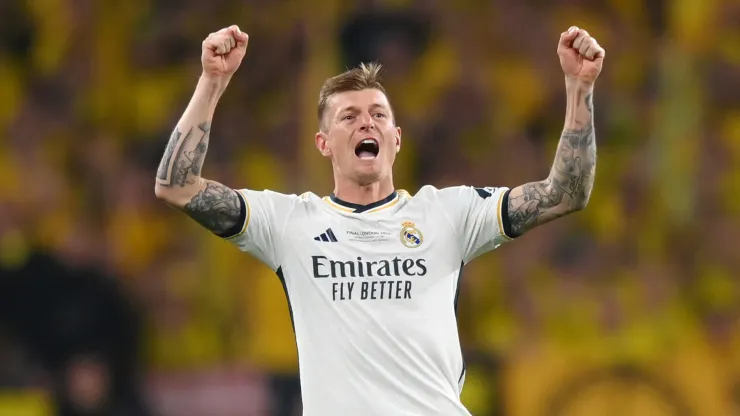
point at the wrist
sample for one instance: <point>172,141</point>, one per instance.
<point>212,86</point>
<point>578,86</point>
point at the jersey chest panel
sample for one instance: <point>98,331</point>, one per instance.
<point>399,257</point>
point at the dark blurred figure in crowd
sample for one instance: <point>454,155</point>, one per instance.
<point>81,327</point>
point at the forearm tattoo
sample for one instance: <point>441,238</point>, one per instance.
<point>183,157</point>
<point>569,185</point>
<point>216,207</point>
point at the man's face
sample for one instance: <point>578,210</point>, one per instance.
<point>359,135</point>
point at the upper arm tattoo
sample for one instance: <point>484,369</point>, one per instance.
<point>216,207</point>
<point>569,185</point>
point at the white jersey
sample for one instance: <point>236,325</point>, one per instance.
<point>373,292</point>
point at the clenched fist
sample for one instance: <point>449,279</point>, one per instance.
<point>223,51</point>
<point>581,57</point>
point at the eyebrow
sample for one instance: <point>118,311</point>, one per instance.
<point>355,109</point>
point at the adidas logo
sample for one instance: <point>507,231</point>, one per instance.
<point>328,236</point>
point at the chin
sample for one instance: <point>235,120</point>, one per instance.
<point>366,178</point>
<point>368,174</point>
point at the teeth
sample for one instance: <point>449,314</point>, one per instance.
<point>368,141</point>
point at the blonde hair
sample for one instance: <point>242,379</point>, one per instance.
<point>365,76</point>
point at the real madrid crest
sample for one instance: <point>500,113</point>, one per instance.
<point>411,237</point>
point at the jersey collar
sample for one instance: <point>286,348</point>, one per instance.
<point>358,208</point>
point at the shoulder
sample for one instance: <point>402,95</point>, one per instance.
<point>462,199</point>
<point>306,203</point>
<point>461,191</point>
<point>277,196</point>
<point>433,198</point>
<point>426,192</point>
<point>277,204</point>
<point>449,193</point>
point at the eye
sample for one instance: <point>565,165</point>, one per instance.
<point>348,117</point>
<point>380,115</point>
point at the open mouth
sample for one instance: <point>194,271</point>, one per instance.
<point>367,149</point>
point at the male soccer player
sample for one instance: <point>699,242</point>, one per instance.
<point>372,273</point>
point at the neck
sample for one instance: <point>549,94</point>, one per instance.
<point>355,193</point>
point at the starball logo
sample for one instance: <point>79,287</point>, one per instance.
<point>376,279</point>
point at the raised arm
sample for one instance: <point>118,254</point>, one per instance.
<point>568,187</point>
<point>178,182</point>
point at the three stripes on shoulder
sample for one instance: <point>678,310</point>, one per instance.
<point>327,236</point>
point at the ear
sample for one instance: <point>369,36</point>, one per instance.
<point>398,139</point>
<point>322,144</point>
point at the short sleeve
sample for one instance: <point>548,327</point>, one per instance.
<point>478,216</point>
<point>266,213</point>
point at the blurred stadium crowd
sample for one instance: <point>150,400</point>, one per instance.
<point>109,299</point>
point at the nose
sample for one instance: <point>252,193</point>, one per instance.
<point>366,122</point>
